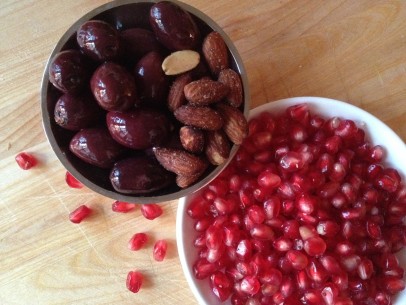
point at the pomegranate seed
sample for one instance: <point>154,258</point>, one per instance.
<point>381,298</point>
<point>224,206</point>
<point>287,287</point>
<point>333,144</point>
<point>345,248</point>
<point>312,297</point>
<point>250,285</point>
<point>291,229</point>
<point>327,228</point>
<point>393,285</point>
<point>256,214</point>
<point>302,280</point>
<point>122,207</point>
<point>221,285</point>
<point>291,161</point>
<point>306,203</point>
<point>25,160</point>
<point>151,211</point>
<point>330,264</point>
<point>298,259</point>
<point>298,133</point>
<point>79,214</point>
<point>272,207</point>
<point>299,113</point>
<point>244,250</point>
<point>350,262</point>
<point>214,237</point>
<point>262,140</point>
<point>72,181</point>
<point>307,231</point>
<point>314,246</point>
<point>283,244</point>
<point>346,129</point>
<point>268,180</point>
<point>159,251</point>
<point>137,241</point>
<point>134,281</point>
<point>365,269</point>
<point>203,269</point>
<point>262,231</point>
<point>316,272</point>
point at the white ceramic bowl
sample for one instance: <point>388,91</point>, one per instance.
<point>376,131</point>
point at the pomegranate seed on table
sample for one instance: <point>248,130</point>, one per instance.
<point>122,207</point>
<point>159,251</point>
<point>137,241</point>
<point>72,182</point>
<point>25,160</point>
<point>134,281</point>
<point>305,213</point>
<point>79,214</point>
<point>151,211</point>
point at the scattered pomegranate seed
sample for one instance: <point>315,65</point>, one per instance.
<point>122,207</point>
<point>159,251</point>
<point>25,160</point>
<point>72,181</point>
<point>79,214</point>
<point>134,281</point>
<point>137,241</point>
<point>151,211</point>
<point>305,213</point>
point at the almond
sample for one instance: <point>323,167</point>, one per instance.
<point>192,139</point>
<point>185,181</point>
<point>180,61</point>
<point>217,147</point>
<point>176,96</point>
<point>215,52</point>
<point>204,118</point>
<point>180,162</point>
<point>235,124</point>
<point>232,80</point>
<point>203,92</point>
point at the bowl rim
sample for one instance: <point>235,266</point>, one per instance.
<point>46,117</point>
<point>277,105</point>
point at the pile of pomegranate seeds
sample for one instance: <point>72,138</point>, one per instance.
<point>304,214</point>
<point>80,214</point>
<point>72,182</point>
<point>25,160</point>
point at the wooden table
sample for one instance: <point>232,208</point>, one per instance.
<point>348,50</point>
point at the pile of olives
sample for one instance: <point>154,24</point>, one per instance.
<point>112,96</point>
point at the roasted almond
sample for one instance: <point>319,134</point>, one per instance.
<point>235,124</point>
<point>180,61</point>
<point>217,147</point>
<point>203,92</point>
<point>232,80</point>
<point>185,181</point>
<point>204,118</point>
<point>179,161</point>
<point>176,96</point>
<point>192,139</point>
<point>215,52</point>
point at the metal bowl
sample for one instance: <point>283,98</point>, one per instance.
<point>125,14</point>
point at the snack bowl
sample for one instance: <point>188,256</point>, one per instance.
<point>122,15</point>
<point>376,132</point>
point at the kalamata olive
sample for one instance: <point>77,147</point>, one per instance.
<point>139,128</point>
<point>139,175</point>
<point>75,112</point>
<point>173,26</point>
<point>69,71</point>
<point>96,146</point>
<point>114,87</point>
<point>99,40</point>
<point>152,83</point>
<point>138,42</point>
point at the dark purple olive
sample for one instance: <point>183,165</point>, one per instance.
<point>114,87</point>
<point>152,83</point>
<point>139,175</point>
<point>139,129</point>
<point>96,146</point>
<point>173,26</point>
<point>99,40</point>
<point>69,71</point>
<point>138,42</point>
<point>75,112</point>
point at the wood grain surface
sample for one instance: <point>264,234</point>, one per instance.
<point>353,51</point>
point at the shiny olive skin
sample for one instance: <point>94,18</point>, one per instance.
<point>69,71</point>
<point>152,83</point>
<point>139,129</point>
<point>96,146</point>
<point>138,42</point>
<point>173,26</point>
<point>114,87</point>
<point>99,40</point>
<point>139,175</point>
<point>75,112</point>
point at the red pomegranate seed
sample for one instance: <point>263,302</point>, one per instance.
<point>291,161</point>
<point>214,237</point>
<point>244,250</point>
<point>134,281</point>
<point>151,211</point>
<point>333,144</point>
<point>303,282</point>
<point>122,207</point>
<point>381,298</point>
<point>256,214</point>
<point>283,244</point>
<point>221,285</point>
<point>313,297</point>
<point>365,269</point>
<point>262,140</point>
<point>79,214</point>
<point>316,272</point>
<point>250,285</point>
<point>72,181</point>
<point>314,246</point>
<point>298,133</point>
<point>137,241</point>
<point>159,251</point>
<point>25,160</point>
<point>299,113</point>
<point>268,179</point>
<point>297,259</point>
<point>393,285</point>
<point>350,262</point>
<point>327,228</point>
<point>330,264</point>
<point>262,231</point>
<point>306,203</point>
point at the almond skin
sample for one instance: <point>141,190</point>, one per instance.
<point>205,91</point>
<point>176,96</point>
<point>232,80</point>
<point>217,147</point>
<point>180,162</point>
<point>215,52</point>
<point>204,118</point>
<point>192,139</point>
<point>235,124</point>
